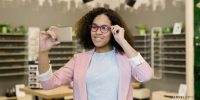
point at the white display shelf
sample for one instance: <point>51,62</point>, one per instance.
<point>171,34</point>
<point>64,47</point>
<point>13,54</point>
<point>15,41</point>
<point>173,53</point>
<point>177,46</point>
<point>173,72</point>
<point>171,65</point>
<point>14,74</point>
<point>11,67</point>
<point>173,59</point>
<point>148,46</point>
<point>174,40</point>
<point>142,41</point>
<point>12,34</point>
<point>60,53</point>
<point>16,60</point>
<point>9,47</point>
<point>55,59</point>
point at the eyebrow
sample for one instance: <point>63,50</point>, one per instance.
<point>101,25</point>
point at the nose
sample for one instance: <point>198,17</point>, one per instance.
<point>98,31</point>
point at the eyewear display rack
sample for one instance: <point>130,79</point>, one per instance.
<point>13,54</point>
<point>62,53</point>
<point>173,54</point>
<point>165,53</point>
<point>142,43</point>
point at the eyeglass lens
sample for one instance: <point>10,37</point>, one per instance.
<point>103,28</point>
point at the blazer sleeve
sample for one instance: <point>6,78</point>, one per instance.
<point>140,69</point>
<point>62,76</point>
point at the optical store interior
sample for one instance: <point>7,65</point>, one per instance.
<point>165,32</point>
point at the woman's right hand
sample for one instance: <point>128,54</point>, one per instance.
<point>47,39</point>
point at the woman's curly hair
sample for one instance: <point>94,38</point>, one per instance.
<point>83,28</point>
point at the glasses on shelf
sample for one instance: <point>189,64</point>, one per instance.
<point>103,28</point>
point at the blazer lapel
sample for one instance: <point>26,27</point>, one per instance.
<point>85,64</point>
<point>124,77</point>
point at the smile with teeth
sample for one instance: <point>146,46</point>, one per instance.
<point>98,39</point>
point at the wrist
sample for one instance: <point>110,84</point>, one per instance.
<point>43,53</point>
<point>122,42</point>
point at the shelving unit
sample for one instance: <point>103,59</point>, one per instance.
<point>142,44</point>
<point>165,53</point>
<point>157,57</point>
<point>62,53</point>
<point>173,54</point>
<point>13,54</point>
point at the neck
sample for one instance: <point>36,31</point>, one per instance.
<point>103,49</point>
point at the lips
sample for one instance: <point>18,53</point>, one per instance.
<point>98,39</point>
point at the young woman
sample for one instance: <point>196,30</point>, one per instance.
<point>106,70</point>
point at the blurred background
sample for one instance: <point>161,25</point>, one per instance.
<point>165,32</point>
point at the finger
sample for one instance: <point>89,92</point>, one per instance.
<point>122,29</point>
<point>56,43</point>
<point>52,34</point>
<point>112,29</point>
<point>43,34</point>
<point>115,28</point>
<point>53,28</point>
<point>118,29</point>
<point>115,31</point>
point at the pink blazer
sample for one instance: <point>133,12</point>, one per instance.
<point>75,70</point>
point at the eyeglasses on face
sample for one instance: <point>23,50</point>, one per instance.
<point>103,28</point>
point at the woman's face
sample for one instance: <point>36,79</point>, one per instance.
<point>100,33</point>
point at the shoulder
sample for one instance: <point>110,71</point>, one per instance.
<point>83,54</point>
<point>122,55</point>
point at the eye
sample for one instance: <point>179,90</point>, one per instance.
<point>94,26</point>
<point>105,27</point>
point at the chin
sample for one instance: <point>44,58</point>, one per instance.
<point>98,45</point>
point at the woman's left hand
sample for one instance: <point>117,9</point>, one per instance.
<point>118,33</point>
